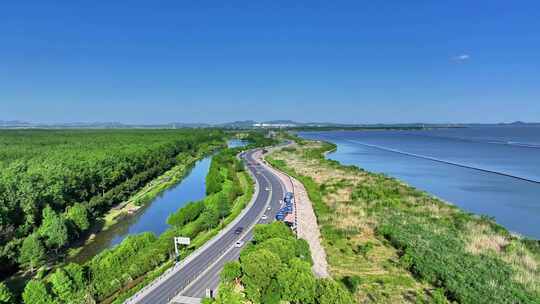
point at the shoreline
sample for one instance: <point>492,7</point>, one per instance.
<point>368,219</point>
<point>135,204</point>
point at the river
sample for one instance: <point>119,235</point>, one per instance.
<point>485,170</point>
<point>153,216</point>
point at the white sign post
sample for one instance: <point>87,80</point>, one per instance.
<point>180,241</point>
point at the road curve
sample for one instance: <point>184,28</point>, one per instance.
<point>201,270</point>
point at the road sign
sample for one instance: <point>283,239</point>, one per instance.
<point>182,240</point>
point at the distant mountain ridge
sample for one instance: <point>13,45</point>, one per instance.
<point>242,124</point>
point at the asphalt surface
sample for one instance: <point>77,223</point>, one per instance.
<point>202,271</point>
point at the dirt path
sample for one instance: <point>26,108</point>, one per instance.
<point>306,221</point>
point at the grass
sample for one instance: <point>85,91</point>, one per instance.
<point>405,246</point>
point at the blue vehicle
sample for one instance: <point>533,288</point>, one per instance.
<point>286,210</point>
<point>288,197</point>
<point>280,216</point>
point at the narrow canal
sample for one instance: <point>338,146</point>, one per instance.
<point>153,216</point>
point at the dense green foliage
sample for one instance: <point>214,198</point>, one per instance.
<point>441,259</point>
<point>186,214</point>
<point>434,249</point>
<point>54,183</point>
<point>6,297</point>
<point>113,269</point>
<point>277,267</point>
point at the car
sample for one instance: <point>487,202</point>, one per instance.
<point>238,230</point>
<point>269,208</point>
<point>239,244</point>
<point>264,217</point>
<point>267,189</point>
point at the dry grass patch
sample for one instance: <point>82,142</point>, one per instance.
<point>482,240</point>
<point>357,252</point>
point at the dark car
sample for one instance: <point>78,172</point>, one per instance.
<point>238,230</point>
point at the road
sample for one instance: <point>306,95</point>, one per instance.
<point>201,271</point>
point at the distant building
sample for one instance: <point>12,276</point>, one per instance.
<point>273,125</point>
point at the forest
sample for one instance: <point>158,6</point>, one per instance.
<point>142,257</point>
<point>54,184</point>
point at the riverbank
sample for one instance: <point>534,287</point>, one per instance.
<point>390,243</point>
<point>131,208</point>
<point>469,168</point>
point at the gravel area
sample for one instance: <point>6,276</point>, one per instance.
<point>307,227</point>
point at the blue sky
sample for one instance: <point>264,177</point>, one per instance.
<point>216,61</point>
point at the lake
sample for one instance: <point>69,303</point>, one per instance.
<point>493,171</point>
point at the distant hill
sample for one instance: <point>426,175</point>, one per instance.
<point>242,124</point>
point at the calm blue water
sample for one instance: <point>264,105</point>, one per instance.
<point>414,157</point>
<point>153,217</point>
<point>234,143</point>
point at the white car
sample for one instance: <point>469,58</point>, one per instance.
<point>267,189</point>
<point>269,208</point>
<point>239,244</point>
<point>264,217</point>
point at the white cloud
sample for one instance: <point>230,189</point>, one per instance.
<point>462,57</point>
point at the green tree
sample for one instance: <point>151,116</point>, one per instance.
<point>330,292</point>
<point>36,292</point>
<point>273,230</point>
<point>231,271</point>
<point>284,248</point>
<point>227,295</point>
<point>53,228</point>
<point>259,268</point>
<point>223,205</point>
<point>6,297</point>
<point>32,252</point>
<point>186,214</point>
<point>297,283</point>
<point>62,285</point>
<point>209,218</point>
<point>78,215</point>
<point>69,283</point>
<point>214,179</point>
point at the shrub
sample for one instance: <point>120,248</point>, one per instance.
<point>352,283</point>
<point>259,268</point>
<point>330,292</point>
<point>231,271</point>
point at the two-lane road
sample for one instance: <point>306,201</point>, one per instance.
<point>201,270</point>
